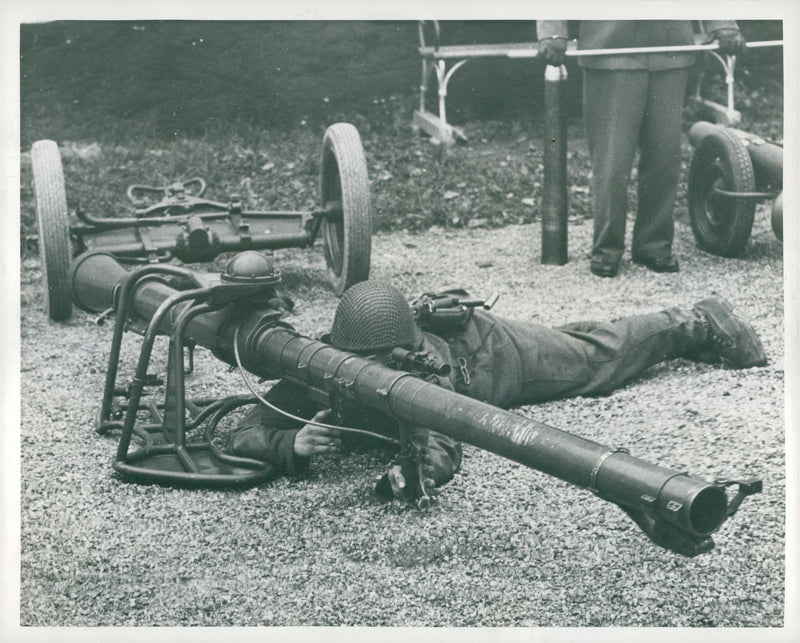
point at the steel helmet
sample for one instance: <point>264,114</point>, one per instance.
<point>373,316</point>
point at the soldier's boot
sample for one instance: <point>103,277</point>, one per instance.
<point>729,336</point>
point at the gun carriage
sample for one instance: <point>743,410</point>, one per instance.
<point>730,172</point>
<point>183,225</point>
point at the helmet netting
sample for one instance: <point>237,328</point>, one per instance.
<point>373,316</point>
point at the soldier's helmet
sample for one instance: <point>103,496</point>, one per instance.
<point>373,316</point>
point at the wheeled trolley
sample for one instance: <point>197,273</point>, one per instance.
<point>184,225</point>
<point>730,172</point>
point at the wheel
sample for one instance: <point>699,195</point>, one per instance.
<point>343,180</point>
<point>52,216</point>
<point>776,218</point>
<point>721,225</point>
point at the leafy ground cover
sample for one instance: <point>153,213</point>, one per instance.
<point>415,185</point>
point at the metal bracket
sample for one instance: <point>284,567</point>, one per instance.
<point>175,192</point>
<point>747,487</point>
<point>410,458</point>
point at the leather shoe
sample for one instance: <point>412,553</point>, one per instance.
<point>604,268</point>
<point>670,264</point>
<point>730,336</point>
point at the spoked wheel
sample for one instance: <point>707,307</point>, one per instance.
<point>53,218</point>
<point>344,186</point>
<point>721,224</point>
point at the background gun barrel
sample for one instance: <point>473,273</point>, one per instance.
<point>694,506</point>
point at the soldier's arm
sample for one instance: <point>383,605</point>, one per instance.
<point>267,435</point>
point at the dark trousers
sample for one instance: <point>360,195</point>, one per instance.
<point>623,110</point>
<point>594,358</point>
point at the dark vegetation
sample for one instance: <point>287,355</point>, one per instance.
<point>122,80</point>
<point>245,104</point>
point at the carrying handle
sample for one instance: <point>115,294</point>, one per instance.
<point>177,189</point>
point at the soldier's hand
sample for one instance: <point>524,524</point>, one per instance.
<point>731,42</point>
<point>315,440</point>
<point>553,50</point>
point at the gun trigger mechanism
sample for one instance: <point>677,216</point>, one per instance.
<point>411,458</point>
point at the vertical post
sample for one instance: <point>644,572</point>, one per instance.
<point>554,188</point>
<point>423,88</point>
<point>444,129</point>
<point>729,69</point>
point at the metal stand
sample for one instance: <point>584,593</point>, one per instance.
<point>723,114</point>
<point>167,456</point>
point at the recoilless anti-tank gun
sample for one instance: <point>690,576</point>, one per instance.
<point>238,316</point>
<point>120,269</point>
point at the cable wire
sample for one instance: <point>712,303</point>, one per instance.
<point>296,418</point>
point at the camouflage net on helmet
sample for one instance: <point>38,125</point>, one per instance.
<point>373,316</point>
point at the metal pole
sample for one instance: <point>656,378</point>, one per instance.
<point>533,52</point>
<point>554,184</point>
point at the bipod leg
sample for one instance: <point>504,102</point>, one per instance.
<point>141,378</point>
<point>411,457</point>
<point>178,391</point>
<point>194,463</point>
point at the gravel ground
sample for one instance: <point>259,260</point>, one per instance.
<point>503,546</point>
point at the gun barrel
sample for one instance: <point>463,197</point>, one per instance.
<point>656,497</point>
<point>687,502</point>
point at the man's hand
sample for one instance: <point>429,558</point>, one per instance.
<point>731,41</point>
<point>315,440</point>
<point>553,50</point>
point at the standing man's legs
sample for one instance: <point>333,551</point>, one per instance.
<point>659,167</point>
<point>613,110</point>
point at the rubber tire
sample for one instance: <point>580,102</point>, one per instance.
<point>53,218</point>
<point>721,226</point>
<point>776,217</point>
<point>343,177</point>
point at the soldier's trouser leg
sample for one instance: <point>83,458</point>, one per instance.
<point>613,109</point>
<point>659,165</point>
<point>594,358</point>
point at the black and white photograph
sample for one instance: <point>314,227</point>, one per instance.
<point>472,322</point>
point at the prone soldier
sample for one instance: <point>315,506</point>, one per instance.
<point>500,361</point>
